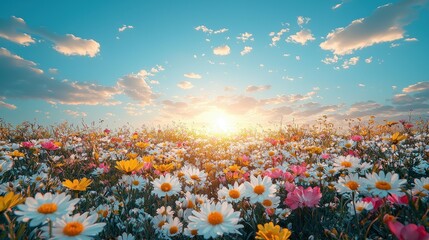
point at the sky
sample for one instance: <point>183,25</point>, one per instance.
<point>233,63</point>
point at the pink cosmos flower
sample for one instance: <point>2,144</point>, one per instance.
<point>326,156</point>
<point>105,167</point>
<point>49,146</point>
<point>298,170</point>
<point>357,138</point>
<point>376,202</point>
<point>395,199</point>
<point>301,197</point>
<point>408,232</point>
<point>27,144</point>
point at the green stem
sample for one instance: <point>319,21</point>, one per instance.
<point>11,226</point>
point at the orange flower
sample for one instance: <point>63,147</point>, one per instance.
<point>78,185</point>
<point>129,166</point>
<point>10,200</point>
<point>16,153</point>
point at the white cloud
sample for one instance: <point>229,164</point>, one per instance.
<point>386,24</point>
<point>275,37</point>
<point>7,105</point>
<point>185,85</point>
<point>210,31</point>
<point>192,75</point>
<point>410,39</point>
<point>301,37</point>
<point>75,113</point>
<point>302,20</point>
<point>246,50</point>
<point>12,30</point>
<point>245,36</point>
<point>135,86</point>
<point>125,27</point>
<point>361,85</point>
<point>418,87</point>
<point>229,89</point>
<point>253,88</point>
<point>350,62</point>
<point>222,50</point>
<point>337,6</point>
<point>72,45</point>
<point>393,45</point>
<point>330,60</point>
<point>368,60</point>
<point>298,58</point>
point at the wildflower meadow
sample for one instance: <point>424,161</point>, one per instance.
<point>369,180</point>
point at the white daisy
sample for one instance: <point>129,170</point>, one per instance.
<point>382,184</point>
<point>348,184</point>
<point>360,206</point>
<point>126,236</point>
<point>77,226</point>
<point>166,185</point>
<point>271,202</point>
<point>214,220</point>
<point>421,186</point>
<point>165,211</point>
<point>172,227</point>
<point>349,163</point>
<point>194,175</point>
<point>43,207</point>
<point>234,193</point>
<point>258,189</point>
<point>5,166</point>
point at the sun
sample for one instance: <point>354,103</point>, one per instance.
<point>219,122</point>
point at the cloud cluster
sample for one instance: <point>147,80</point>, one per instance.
<point>222,50</point>
<point>245,36</point>
<point>16,30</point>
<point>253,88</point>
<point>275,37</point>
<point>386,24</point>
<point>301,37</point>
<point>185,85</point>
<point>210,31</point>
<point>192,75</point>
<point>246,50</point>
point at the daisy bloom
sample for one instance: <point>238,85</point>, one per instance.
<point>77,185</point>
<point>382,184</point>
<point>166,185</point>
<point>77,226</point>
<point>348,184</point>
<point>349,163</point>
<point>215,220</point>
<point>43,207</point>
<point>129,166</point>
<point>269,231</point>
<point>126,236</point>
<point>193,175</point>
<point>165,211</point>
<point>359,206</point>
<point>172,227</point>
<point>5,166</point>
<point>271,202</point>
<point>10,200</point>
<point>421,186</point>
<point>258,189</point>
<point>234,193</point>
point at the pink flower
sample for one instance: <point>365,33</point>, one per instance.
<point>408,232</point>
<point>376,202</point>
<point>289,186</point>
<point>274,173</point>
<point>301,197</point>
<point>49,146</point>
<point>27,144</point>
<point>326,156</point>
<point>298,170</point>
<point>395,199</point>
<point>287,176</point>
<point>106,131</point>
<point>357,138</point>
<point>105,167</point>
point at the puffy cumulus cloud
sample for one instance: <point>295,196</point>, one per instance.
<point>246,50</point>
<point>386,24</point>
<point>253,88</point>
<point>330,60</point>
<point>301,37</point>
<point>185,85</point>
<point>12,29</point>
<point>210,31</point>
<point>22,79</point>
<point>125,27</point>
<point>136,87</point>
<point>76,113</point>
<point>302,20</point>
<point>245,36</point>
<point>414,94</point>
<point>15,30</point>
<point>222,50</point>
<point>275,37</point>
<point>350,62</point>
<point>192,75</point>
<point>72,45</point>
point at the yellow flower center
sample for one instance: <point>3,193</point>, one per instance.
<point>346,164</point>
<point>160,224</point>
<point>136,182</point>
<point>195,177</point>
<point>426,186</point>
<point>38,178</point>
<point>331,171</point>
<point>191,204</point>
<point>271,153</point>
<point>234,193</point>
<point>194,232</point>
<point>165,187</point>
<point>73,229</point>
<point>383,185</point>
<point>352,185</point>
<point>47,208</point>
<point>174,229</point>
<point>215,218</point>
<point>359,208</point>
<point>267,203</point>
<point>348,145</point>
<point>259,189</point>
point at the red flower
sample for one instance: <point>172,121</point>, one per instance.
<point>408,232</point>
<point>49,145</point>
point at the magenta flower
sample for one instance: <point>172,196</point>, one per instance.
<point>301,197</point>
<point>408,232</point>
<point>49,145</point>
<point>357,138</point>
<point>27,144</point>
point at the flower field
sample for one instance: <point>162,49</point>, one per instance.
<point>370,181</point>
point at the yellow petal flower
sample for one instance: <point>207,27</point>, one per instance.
<point>77,185</point>
<point>10,200</point>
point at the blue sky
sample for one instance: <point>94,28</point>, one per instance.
<point>154,62</point>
